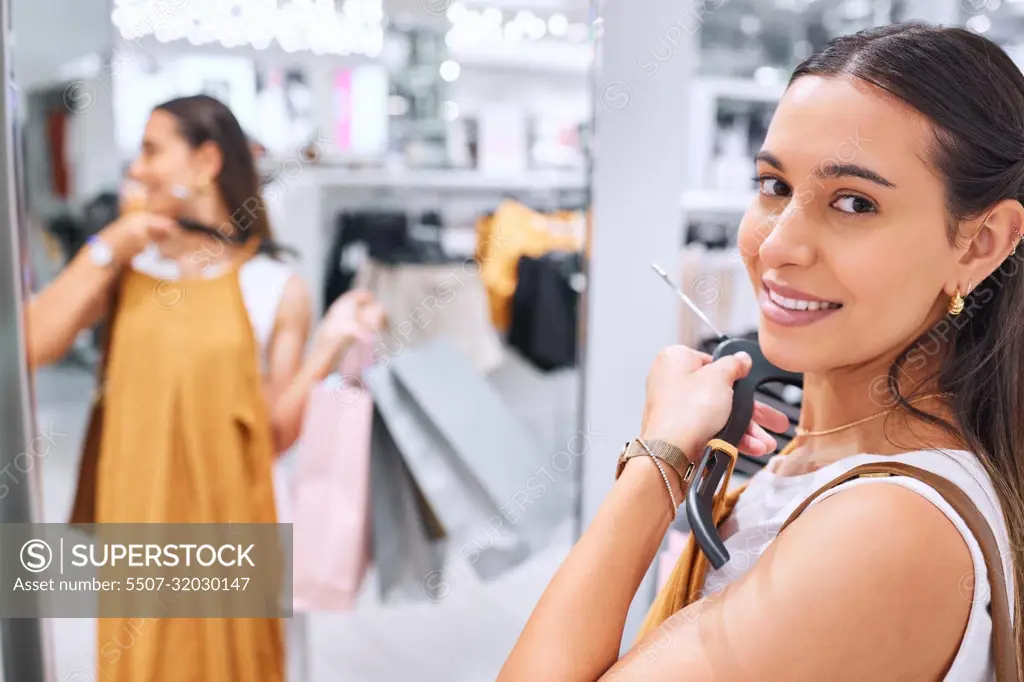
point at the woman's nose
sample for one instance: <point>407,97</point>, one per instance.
<point>788,236</point>
<point>135,170</point>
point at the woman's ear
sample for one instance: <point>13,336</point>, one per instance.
<point>991,243</point>
<point>208,162</point>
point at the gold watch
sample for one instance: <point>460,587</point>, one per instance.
<point>663,450</point>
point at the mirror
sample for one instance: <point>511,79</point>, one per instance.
<point>316,264</point>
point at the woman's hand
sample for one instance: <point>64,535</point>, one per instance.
<point>133,232</point>
<point>689,399</point>
<point>356,315</point>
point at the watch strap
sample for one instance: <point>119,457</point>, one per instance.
<point>661,449</point>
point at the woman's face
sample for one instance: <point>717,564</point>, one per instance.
<point>166,165</point>
<point>849,227</point>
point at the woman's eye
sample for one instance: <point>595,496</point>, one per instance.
<point>854,204</point>
<point>773,187</point>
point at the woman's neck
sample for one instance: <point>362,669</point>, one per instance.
<point>206,255</point>
<point>842,397</point>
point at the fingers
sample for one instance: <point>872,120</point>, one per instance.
<point>770,418</point>
<point>732,368</point>
<point>360,296</point>
<point>752,447</point>
<point>373,317</point>
<point>757,442</point>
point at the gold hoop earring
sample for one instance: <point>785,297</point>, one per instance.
<point>956,304</point>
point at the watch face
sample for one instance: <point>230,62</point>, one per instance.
<point>100,252</point>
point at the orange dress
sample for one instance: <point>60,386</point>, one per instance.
<point>184,437</point>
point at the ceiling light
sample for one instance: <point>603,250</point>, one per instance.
<point>514,32</point>
<point>558,24</point>
<point>523,17</point>
<point>979,23</point>
<point>450,70</point>
<point>457,12</point>
<point>536,28</point>
<point>492,16</point>
<point>297,24</point>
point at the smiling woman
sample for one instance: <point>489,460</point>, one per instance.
<point>891,181</point>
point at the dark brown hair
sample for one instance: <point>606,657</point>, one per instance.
<point>202,119</point>
<point>973,94</point>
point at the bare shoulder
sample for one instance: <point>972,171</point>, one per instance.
<point>866,584</point>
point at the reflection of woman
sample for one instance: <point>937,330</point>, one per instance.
<point>891,184</point>
<point>206,376</point>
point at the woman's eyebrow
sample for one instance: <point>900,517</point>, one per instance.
<point>852,170</point>
<point>831,170</point>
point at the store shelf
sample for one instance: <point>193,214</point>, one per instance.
<point>725,203</point>
<point>744,89</point>
<point>443,180</point>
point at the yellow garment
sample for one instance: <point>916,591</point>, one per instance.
<point>512,232</point>
<point>687,579</point>
<point>183,437</point>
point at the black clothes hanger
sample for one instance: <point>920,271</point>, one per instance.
<point>266,246</point>
<point>715,461</point>
<point>196,226</point>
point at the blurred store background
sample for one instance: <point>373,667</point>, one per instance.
<point>408,136</point>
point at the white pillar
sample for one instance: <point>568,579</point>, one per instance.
<point>643,66</point>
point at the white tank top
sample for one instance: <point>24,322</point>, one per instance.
<point>769,500</point>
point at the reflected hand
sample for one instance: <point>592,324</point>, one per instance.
<point>689,399</point>
<point>356,315</point>
<point>133,232</point>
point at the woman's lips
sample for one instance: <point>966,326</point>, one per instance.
<point>793,310</point>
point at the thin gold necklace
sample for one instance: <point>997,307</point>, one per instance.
<point>824,432</point>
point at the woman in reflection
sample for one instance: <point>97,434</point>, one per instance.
<point>882,244</point>
<point>205,375</point>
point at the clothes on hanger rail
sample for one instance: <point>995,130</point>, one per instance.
<point>426,301</point>
<point>544,310</point>
<point>717,281</point>
<point>514,231</point>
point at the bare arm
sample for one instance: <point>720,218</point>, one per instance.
<point>575,630</point>
<point>81,294</point>
<point>77,299</point>
<point>291,373</point>
<point>844,594</point>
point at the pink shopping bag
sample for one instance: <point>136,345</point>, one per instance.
<point>331,492</point>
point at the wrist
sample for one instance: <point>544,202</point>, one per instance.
<point>121,248</point>
<point>327,352</point>
<point>691,447</point>
<point>643,474</point>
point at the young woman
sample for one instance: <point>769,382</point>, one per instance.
<point>206,373</point>
<point>890,182</point>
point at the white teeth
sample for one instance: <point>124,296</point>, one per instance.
<point>795,304</point>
